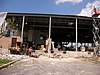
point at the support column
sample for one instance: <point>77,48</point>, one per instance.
<point>49,27</point>
<point>22,29</point>
<point>76,36</point>
<point>49,43</point>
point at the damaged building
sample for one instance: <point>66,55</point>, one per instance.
<point>68,32</point>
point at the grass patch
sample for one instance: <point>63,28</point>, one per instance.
<point>92,59</point>
<point>4,61</point>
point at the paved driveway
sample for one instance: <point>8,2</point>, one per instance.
<point>50,66</point>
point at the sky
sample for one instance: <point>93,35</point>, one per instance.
<point>63,7</point>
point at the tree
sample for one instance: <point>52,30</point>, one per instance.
<point>11,23</point>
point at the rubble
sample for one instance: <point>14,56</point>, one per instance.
<point>12,56</point>
<point>56,55</point>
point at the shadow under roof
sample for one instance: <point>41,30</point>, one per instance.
<point>63,26</point>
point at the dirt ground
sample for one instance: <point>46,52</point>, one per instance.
<point>53,66</point>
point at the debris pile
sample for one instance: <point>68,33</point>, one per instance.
<point>12,56</point>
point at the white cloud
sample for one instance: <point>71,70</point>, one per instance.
<point>63,1</point>
<point>87,11</point>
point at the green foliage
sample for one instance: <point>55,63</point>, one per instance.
<point>4,61</point>
<point>10,22</point>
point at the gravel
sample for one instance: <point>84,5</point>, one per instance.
<point>52,66</point>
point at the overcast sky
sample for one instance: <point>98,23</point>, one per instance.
<point>69,7</point>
